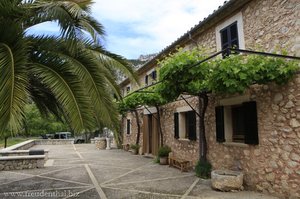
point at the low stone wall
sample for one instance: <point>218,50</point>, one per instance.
<point>21,146</point>
<point>53,141</point>
<point>22,162</point>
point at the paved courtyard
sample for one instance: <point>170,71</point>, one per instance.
<point>82,171</point>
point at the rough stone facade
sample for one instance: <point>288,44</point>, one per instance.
<point>22,162</point>
<point>272,25</point>
<point>131,138</point>
<point>273,166</point>
<point>181,148</point>
<point>100,143</point>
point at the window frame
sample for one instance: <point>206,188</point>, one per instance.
<point>224,121</point>
<point>240,28</point>
<point>230,38</point>
<point>181,127</point>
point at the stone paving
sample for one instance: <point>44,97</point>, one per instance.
<point>82,171</point>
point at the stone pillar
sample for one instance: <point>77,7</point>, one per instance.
<point>100,143</point>
<point>108,144</point>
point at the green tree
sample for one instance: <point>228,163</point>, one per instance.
<point>149,97</point>
<point>69,75</point>
<point>35,124</point>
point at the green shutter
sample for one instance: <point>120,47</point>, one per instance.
<point>251,128</point>
<point>220,131</point>
<point>176,126</point>
<point>191,125</point>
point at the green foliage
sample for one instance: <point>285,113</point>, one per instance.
<point>164,151</point>
<point>156,160</point>
<point>233,74</point>
<point>236,73</point>
<point>203,169</point>
<point>179,77</point>
<point>36,125</point>
<point>135,146</point>
<point>131,102</point>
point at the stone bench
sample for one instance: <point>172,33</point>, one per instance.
<point>22,153</point>
<point>21,162</point>
<point>183,165</point>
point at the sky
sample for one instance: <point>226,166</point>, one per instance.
<point>136,27</point>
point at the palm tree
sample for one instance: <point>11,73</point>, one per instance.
<point>70,74</point>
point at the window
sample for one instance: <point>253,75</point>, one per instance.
<point>154,75</point>
<point>146,79</point>
<point>185,125</point>
<point>229,37</point>
<point>128,126</point>
<point>230,33</point>
<point>128,89</point>
<point>237,123</point>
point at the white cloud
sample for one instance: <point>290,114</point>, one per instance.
<point>154,24</point>
<point>136,27</point>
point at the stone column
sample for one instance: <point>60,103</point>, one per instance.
<point>108,144</point>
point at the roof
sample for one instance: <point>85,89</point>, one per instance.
<point>227,9</point>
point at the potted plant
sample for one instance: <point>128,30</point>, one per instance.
<point>135,148</point>
<point>163,154</point>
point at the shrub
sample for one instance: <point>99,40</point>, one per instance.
<point>135,146</point>
<point>164,151</point>
<point>203,169</point>
<point>156,160</point>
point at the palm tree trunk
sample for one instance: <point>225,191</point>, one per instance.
<point>119,135</point>
<point>203,103</point>
<point>159,126</point>
<point>5,141</point>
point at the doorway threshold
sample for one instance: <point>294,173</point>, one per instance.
<point>148,155</point>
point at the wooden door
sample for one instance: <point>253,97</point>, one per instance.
<point>150,134</point>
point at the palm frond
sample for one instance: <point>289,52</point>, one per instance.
<point>44,98</point>
<point>13,81</point>
<point>112,61</point>
<point>93,75</point>
<point>68,90</point>
<point>72,17</point>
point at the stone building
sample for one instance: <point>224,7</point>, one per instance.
<point>269,157</point>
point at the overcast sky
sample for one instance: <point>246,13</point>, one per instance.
<point>135,27</point>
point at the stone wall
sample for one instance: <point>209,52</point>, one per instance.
<point>182,148</point>
<point>272,25</point>
<point>22,162</point>
<point>53,141</point>
<point>100,143</point>
<point>274,165</point>
<point>131,138</point>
